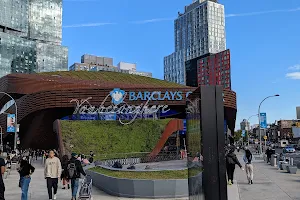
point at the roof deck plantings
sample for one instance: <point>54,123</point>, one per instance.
<point>114,77</point>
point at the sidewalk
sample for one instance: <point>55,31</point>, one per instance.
<point>38,190</point>
<point>269,184</point>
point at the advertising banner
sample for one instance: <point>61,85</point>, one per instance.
<point>11,119</point>
<point>263,120</point>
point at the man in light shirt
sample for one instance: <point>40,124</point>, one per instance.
<point>52,174</point>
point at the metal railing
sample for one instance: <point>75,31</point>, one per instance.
<point>135,158</point>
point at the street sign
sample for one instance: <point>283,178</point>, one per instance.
<point>243,133</point>
<point>263,120</point>
<point>265,137</point>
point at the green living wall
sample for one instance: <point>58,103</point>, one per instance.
<point>110,139</point>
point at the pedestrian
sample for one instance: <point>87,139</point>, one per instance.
<point>8,162</point>
<point>257,150</point>
<point>85,161</point>
<point>91,159</point>
<point>52,174</point>
<point>26,169</point>
<point>2,186</point>
<point>248,165</point>
<point>75,170</point>
<point>269,153</point>
<point>64,174</point>
<point>231,161</point>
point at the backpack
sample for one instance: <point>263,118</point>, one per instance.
<point>72,171</point>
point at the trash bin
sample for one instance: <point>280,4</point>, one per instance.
<point>274,160</point>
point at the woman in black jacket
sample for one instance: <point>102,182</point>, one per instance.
<point>25,171</point>
<point>231,161</point>
<point>65,174</point>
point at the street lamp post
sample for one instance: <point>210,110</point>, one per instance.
<point>16,122</point>
<point>260,145</point>
<point>249,128</point>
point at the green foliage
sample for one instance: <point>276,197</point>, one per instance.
<point>193,137</point>
<point>238,136</point>
<point>167,174</point>
<point>110,137</point>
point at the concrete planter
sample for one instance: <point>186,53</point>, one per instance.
<point>140,188</point>
<point>292,169</point>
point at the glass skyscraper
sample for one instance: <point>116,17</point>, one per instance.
<point>200,30</point>
<point>30,37</point>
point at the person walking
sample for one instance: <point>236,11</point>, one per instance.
<point>2,186</point>
<point>231,161</point>
<point>64,174</point>
<point>269,154</point>
<point>52,174</point>
<point>91,160</point>
<point>248,165</point>
<point>75,170</point>
<point>25,172</point>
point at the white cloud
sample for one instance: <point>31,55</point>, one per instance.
<point>295,67</point>
<point>152,20</point>
<point>293,75</point>
<point>263,12</point>
<point>87,25</point>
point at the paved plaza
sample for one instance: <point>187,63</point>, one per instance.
<point>269,184</point>
<point>38,190</point>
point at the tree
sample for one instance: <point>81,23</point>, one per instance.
<point>238,136</point>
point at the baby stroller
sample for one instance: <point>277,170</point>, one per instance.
<point>86,189</point>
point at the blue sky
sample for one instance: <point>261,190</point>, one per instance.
<point>263,37</point>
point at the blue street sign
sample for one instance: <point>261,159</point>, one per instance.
<point>243,133</point>
<point>263,120</point>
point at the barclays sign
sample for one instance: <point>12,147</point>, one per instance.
<point>157,96</point>
<point>120,107</point>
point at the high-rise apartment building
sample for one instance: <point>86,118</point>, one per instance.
<point>245,125</point>
<point>31,36</point>
<point>210,69</point>
<point>200,30</point>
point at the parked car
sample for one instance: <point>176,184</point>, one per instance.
<point>289,149</point>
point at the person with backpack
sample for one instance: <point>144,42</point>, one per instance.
<point>74,171</point>
<point>231,161</point>
<point>52,174</point>
<point>248,165</point>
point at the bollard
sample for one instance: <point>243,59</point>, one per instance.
<point>292,162</point>
<point>275,161</point>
